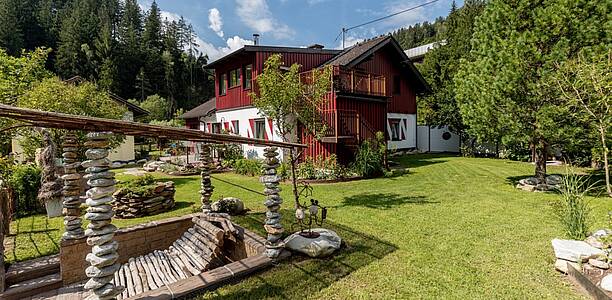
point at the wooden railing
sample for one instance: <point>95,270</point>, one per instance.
<point>346,124</point>
<point>353,82</point>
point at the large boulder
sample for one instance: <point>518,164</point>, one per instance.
<point>324,245</point>
<point>606,283</point>
<point>228,205</point>
<point>577,251</point>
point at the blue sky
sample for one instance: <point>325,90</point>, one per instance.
<point>223,26</point>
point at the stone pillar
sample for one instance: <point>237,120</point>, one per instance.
<point>100,231</point>
<point>206,185</point>
<point>72,189</point>
<point>274,243</point>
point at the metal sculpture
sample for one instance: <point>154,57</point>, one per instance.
<point>313,214</point>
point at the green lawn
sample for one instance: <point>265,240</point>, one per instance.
<point>451,228</point>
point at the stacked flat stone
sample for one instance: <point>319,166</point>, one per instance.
<point>72,191</point>
<point>206,185</point>
<point>274,243</point>
<point>100,231</point>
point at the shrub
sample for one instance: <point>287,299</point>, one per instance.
<point>572,208</point>
<point>368,160</point>
<point>284,170</point>
<point>25,181</point>
<point>320,168</point>
<point>251,167</point>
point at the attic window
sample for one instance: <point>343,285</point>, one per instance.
<point>397,84</point>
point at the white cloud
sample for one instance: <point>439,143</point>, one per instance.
<point>214,53</point>
<point>407,18</point>
<point>215,22</point>
<point>257,16</point>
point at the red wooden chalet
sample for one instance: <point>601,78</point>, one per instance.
<point>374,89</point>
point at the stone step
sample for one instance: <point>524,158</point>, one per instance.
<point>31,269</point>
<point>32,287</point>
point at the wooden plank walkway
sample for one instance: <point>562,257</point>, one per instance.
<point>196,251</point>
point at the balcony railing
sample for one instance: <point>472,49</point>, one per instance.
<point>346,124</point>
<point>354,82</point>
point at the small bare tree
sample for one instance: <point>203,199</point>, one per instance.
<point>586,83</point>
<point>290,98</point>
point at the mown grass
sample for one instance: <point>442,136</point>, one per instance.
<point>452,228</point>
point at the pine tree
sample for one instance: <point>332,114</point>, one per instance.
<point>153,49</point>
<point>503,87</point>
<point>11,31</point>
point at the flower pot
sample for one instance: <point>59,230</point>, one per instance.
<point>54,208</point>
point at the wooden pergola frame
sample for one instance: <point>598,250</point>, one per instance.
<point>46,119</point>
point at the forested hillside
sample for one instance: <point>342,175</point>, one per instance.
<point>131,52</point>
<point>420,33</point>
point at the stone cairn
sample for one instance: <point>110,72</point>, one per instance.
<point>72,190</point>
<point>100,231</point>
<point>274,243</point>
<point>206,185</point>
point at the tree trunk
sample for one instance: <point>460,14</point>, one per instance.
<point>602,134</point>
<point>541,153</point>
<point>293,160</point>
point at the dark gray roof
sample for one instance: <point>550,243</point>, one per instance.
<point>348,55</point>
<point>202,110</point>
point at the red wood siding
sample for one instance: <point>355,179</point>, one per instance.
<point>374,113</point>
<point>236,96</point>
<point>387,63</point>
<point>192,123</point>
<point>306,60</point>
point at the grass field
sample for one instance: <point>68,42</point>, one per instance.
<point>452,228</point>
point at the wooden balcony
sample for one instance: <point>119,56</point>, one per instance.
<point>346,126</point>
<point>354,82</point>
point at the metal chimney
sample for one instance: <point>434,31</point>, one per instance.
<point>255,39</point>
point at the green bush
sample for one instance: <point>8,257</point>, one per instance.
<point>368,160</point>
<point>573,209</point>
<point>251,167</point>
<point>320,168</point>
<point>25,181</point>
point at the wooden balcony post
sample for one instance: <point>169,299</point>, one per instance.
<point>369,83</point>
<point>358,121</point>
<point>352,81</point>
<point>336,123</point>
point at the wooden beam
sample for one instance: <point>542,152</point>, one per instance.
<point>84,123</point>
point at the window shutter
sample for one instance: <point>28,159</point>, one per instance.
<point>252,126</point>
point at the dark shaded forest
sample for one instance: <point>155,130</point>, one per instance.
<point>123,49</point>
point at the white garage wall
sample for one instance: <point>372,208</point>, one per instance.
<point>430,139</point>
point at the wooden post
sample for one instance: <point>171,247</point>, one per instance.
<point>358,121</point>
<point>336,124</point>
<point>352,81</point>
<point>369,83</point>
<point>274,243</point>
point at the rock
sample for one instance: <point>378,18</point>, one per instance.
<point>105,248</point>
<point>601,233</point>
<point>324,245</point>
<point>116,165</point>
<point>101,231</point>
<point>100,192</point>
<point>599,264</point>
<point>102,261</point>
<point>561,265</point>
<point>92,271</point>
<point>97,282</point>
<point>102,182</point>
<point>96,153</point>
<point>101,201</point>
<point>99,239</point>
<point>606,283</point>
<point>229,205</point>
<point>577,251</point>
<point>99,216</point>
<point>75,176</point>
<point>94,176</point>
<point>595,242</point>
<point>554,180</point>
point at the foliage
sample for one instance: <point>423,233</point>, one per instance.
<point>586,84</point>
<point>132,53</point>
<point>174,122</point>
<point>321,168</point>
<point>251,167</point>
<point>572,208</point>
<point>157,106</point>
<point>368,160</point>
<point>441,64</point>
<point>501,87</point>
<point>420,33</point>
<point>141,185</point>
<point>25,181</point>
<point>54,95</point>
